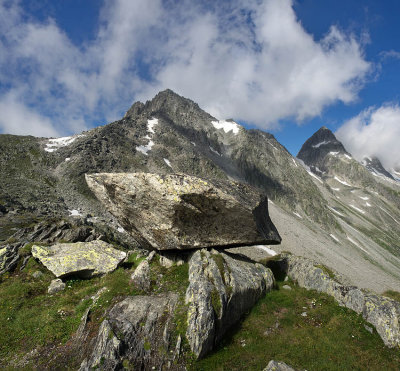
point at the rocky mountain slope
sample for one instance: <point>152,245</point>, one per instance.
<point>322,211</point>
<point>85,209</point>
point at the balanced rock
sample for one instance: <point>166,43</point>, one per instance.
<point>178,211</point>
<point>85,259</point>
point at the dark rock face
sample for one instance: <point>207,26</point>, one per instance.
<point>139,331</point>
<point>375,167</point>
<point>177,211</point>
<point>223,287</point>
<point>315,149</point>
<point>8,258</point>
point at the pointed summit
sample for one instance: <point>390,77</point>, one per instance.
<point>315,149</point>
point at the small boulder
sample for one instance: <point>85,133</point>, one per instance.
<point>177,211</point>
<point>37,274</point>
<point>56,285</point>
<point>286,287</point>
<point>84,259</point>
<point>141,276</point>
<point>279,366</point>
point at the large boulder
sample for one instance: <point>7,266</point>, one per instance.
<point>137,333</point>
<point>382,312</point>
<point>222,288</point>
<point>178,211</point>
<point>85,259</point>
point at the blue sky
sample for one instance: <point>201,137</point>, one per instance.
<point>284,66</point>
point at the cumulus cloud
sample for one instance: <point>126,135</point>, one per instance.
<point>249,60</point>
<point>374,132</point>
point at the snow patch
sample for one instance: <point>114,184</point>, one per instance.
<point>67,159</point>
<point>342,181</point>
<point>193,143</point>
<point>355,243</point>
<point>298,215</point>
<point>294,161</point>
<point>388,214</point>
<point>55,143</point>
<point>272,145</point>
<point>364,198</point>
<point>334,153</point>
<point>215,151</point>
<point>356,208</point>
<point>334,237</point>
<point>74,213</point>
<point>368,204</point>
<point>227,126</point>
<point>167,162</point>
<point>267,249</point>
<point>121,230</point>
<point>335,211</point>
<point>270,202</point>
<point>335,189</point>
<point>150,128</point>
<point>314,176</point>
<point>347,156</point>
<point>321,144</point>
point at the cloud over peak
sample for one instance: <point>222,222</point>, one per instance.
<point>249,60</point>
<point>374,132</point>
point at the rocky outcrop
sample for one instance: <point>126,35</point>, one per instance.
<point>178,211</point>
<point>85,259</point>
<point>382,312</point>
<point>139,332</point>
<point>141,276</point>
<point>278,366</point>
<point>222,288</point>
<point>8,258</point>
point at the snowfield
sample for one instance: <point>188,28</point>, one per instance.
<point>227,126</point>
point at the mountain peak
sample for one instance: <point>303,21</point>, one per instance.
<point>316,147</point>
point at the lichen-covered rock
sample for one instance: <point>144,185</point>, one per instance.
<point>8,258</point>
<point>56,285</point>
<point>86,259</point>
<point>222,288</point>
<point>137,332</point>
<point>382,312</point>
<point>278,366</point>
<point>178,211</point>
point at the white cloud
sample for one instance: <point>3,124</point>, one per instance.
<point>374,132</point>
<point>249,60</point>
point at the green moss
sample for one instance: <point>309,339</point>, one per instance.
<point>216,301</point>
<point>330,338</point>
<point>32,319</point>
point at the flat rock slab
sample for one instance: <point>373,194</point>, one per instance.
<point>85,259</point>
<point>178,211</point>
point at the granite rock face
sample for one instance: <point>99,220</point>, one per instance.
<point>85,259</point>
<point>178,211</point>
<point>222,288</point>
<point>382,312</point>
<point>137,331</point>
